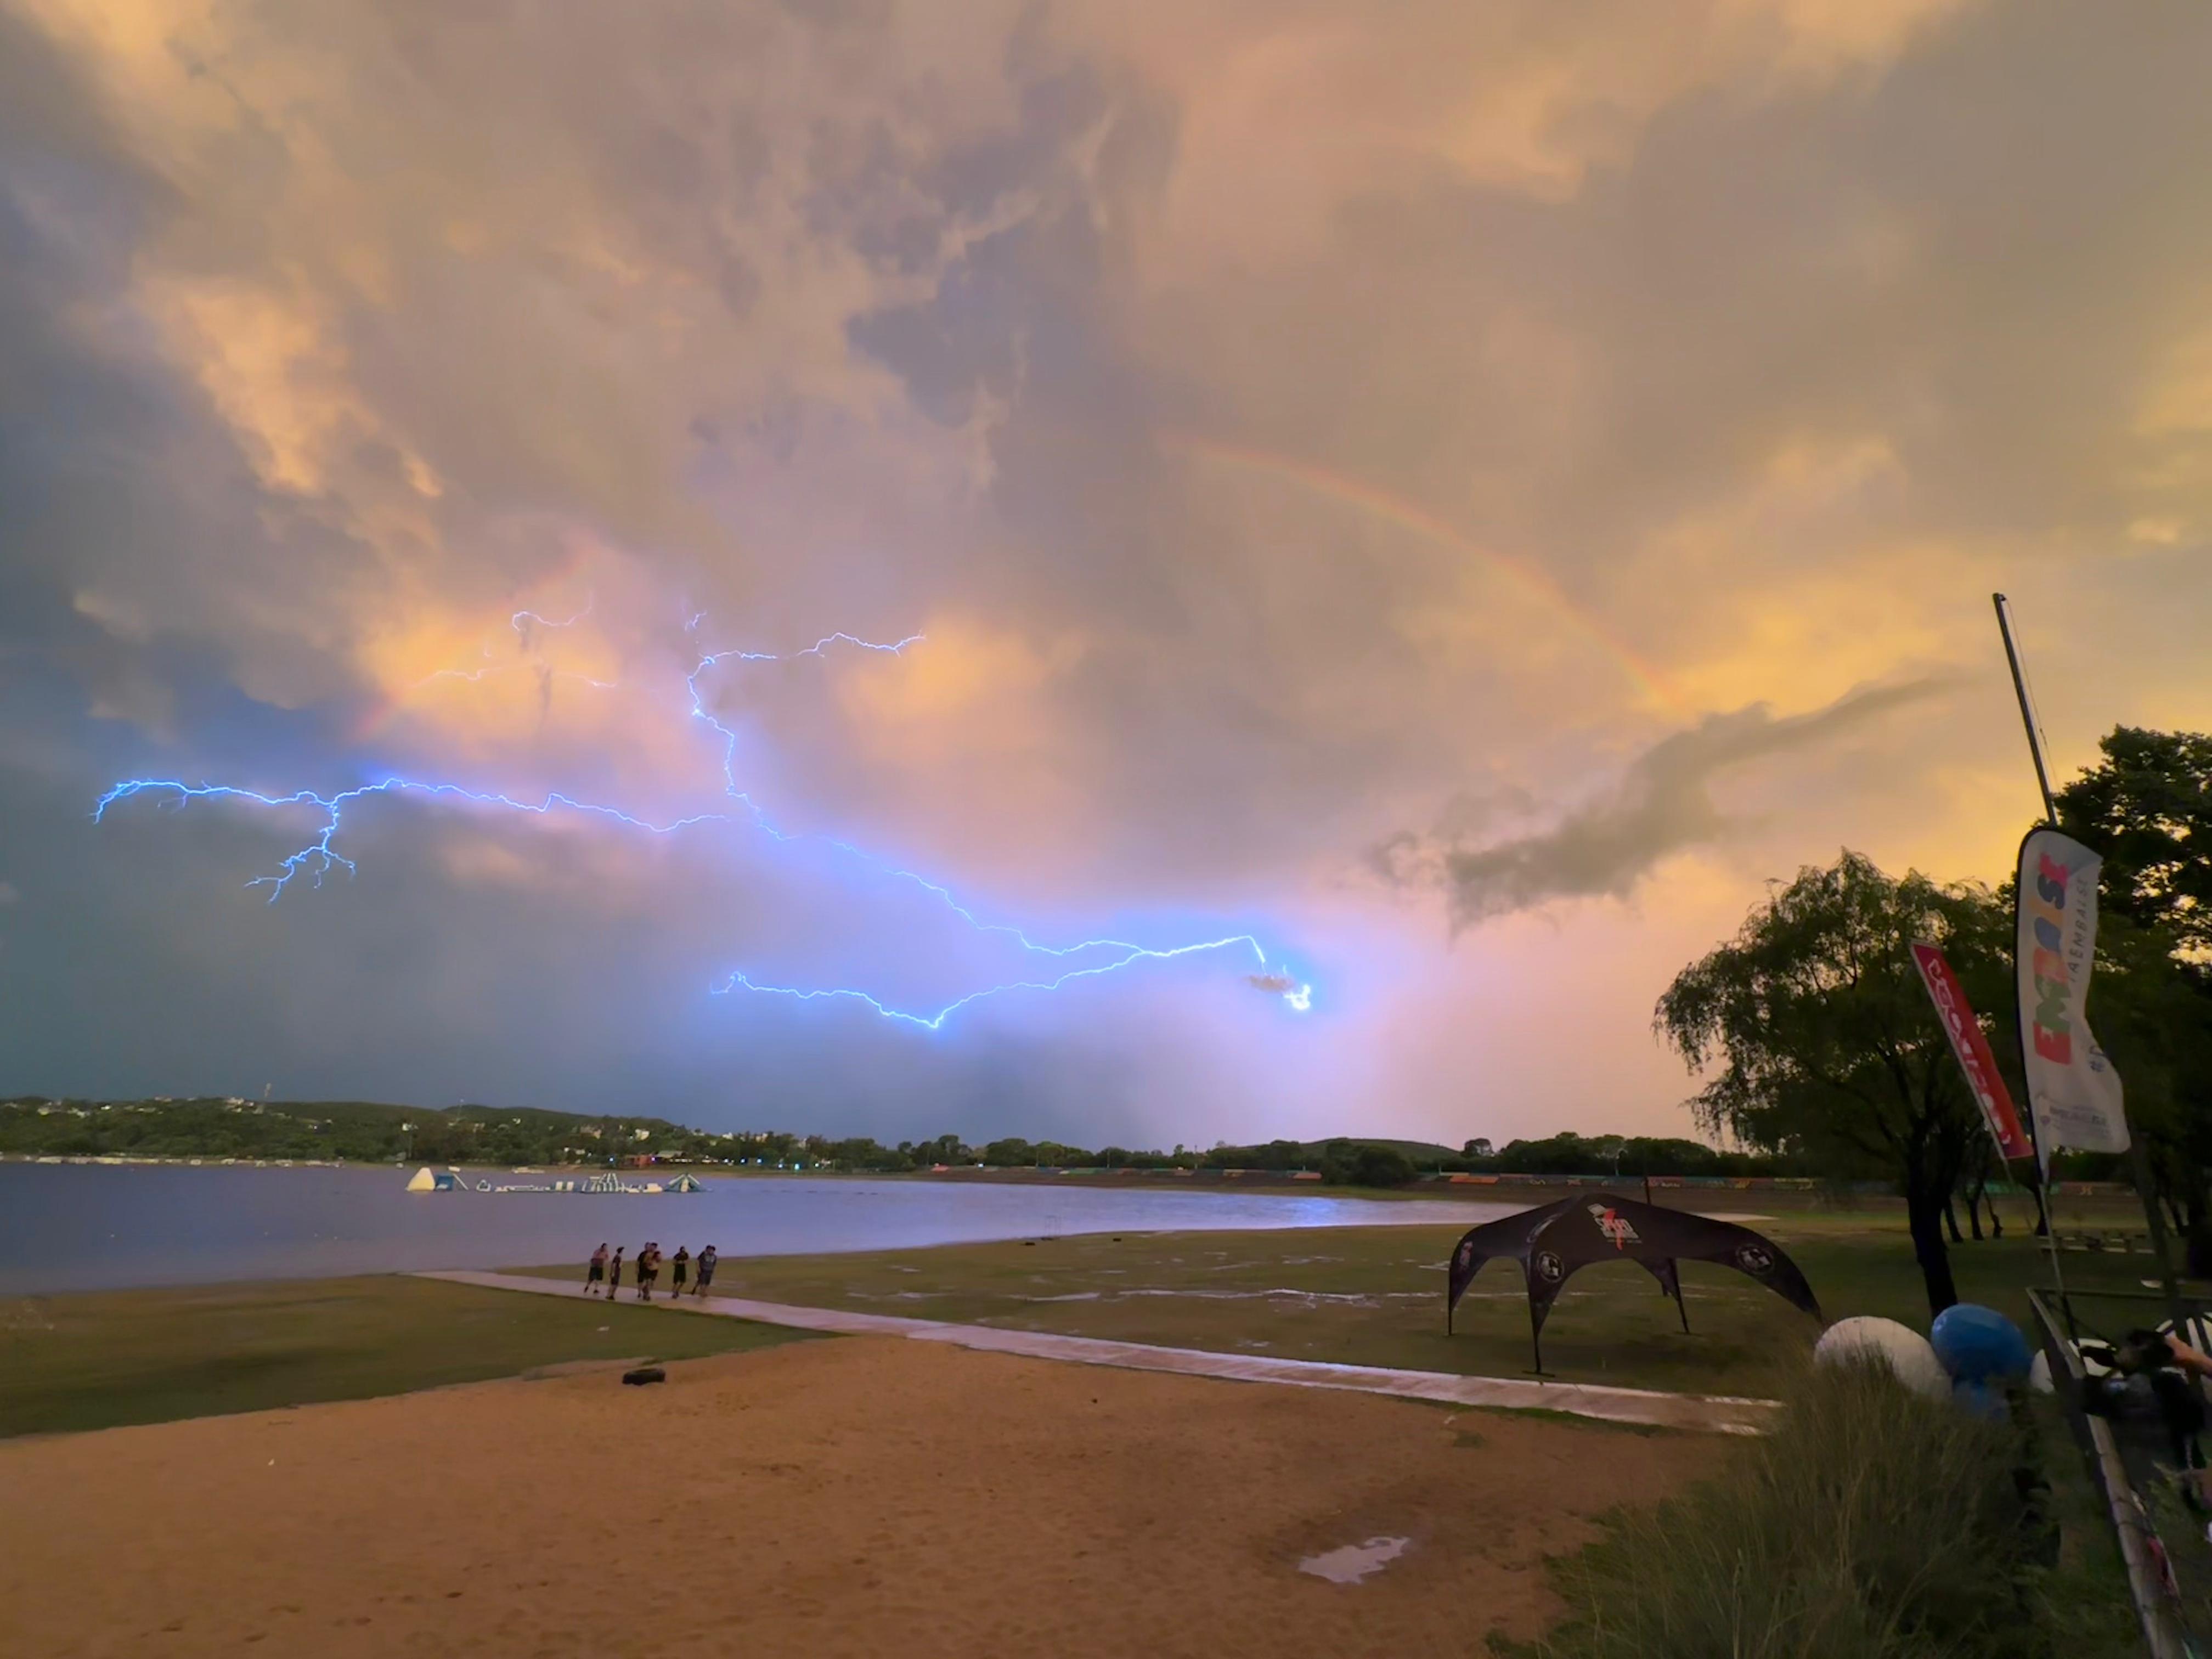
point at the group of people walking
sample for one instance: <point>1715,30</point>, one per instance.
<point>603,1271</point>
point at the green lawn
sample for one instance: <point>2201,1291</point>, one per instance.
<point>1367,1295</point>
<point>92,1362</point>
<point>1374,1295</point>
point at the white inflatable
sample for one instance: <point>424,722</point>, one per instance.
<point>1904,1350</point>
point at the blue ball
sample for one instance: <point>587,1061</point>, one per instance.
<point>1979,1345</point>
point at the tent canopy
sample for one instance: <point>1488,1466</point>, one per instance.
<point>1555,1241</point>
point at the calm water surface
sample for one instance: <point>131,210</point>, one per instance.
<point>80,1227</point>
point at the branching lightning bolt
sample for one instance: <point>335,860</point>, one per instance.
<point>519,618</point>
<point>738,981</point>
<point>319,857</point>
<point>714,659</point>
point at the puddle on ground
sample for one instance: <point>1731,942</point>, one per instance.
<point>1355,1561</point>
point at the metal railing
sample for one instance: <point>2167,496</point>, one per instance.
<point>2151,1584</point>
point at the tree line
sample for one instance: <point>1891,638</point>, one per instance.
<point>1819,1042</point>
<point>371,1132</point>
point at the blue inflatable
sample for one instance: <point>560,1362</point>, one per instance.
<point>1979,1345</point>
<point>1981,1399</point>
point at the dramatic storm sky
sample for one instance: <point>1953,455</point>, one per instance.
<point>1463,492</point>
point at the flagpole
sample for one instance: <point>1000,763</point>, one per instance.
<point>2138,1159</point>
<point>2027,1098</point>
<point>2026,712</point>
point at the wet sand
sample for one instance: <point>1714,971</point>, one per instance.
<point>860,1496</point>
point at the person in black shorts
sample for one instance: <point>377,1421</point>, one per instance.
<point>596,1273</point>
<point>614,1272</point>
<point>679,1268</point>
<point>706,1259</point>
<point>648,1269</point>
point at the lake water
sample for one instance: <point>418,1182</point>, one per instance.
<point>82,1227</point>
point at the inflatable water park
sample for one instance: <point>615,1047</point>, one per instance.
<point>427,1180</point>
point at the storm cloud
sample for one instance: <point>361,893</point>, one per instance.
<point>1664,804</point>
<point>1281,426</point>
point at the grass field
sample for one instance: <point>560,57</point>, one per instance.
<point>93,1362</point>
<point>1366,1296</point>
<point>1374,1295</point>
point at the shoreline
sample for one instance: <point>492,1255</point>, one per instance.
<point>1507,1189</point>
<point>83,1230</point>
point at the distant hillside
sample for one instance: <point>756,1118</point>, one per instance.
<point>356,1131</point>
<point>1421,1152</point>
<point>371,1132</point>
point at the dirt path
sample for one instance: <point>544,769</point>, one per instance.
<point>864,1496</point>
<point>1652,1407</point>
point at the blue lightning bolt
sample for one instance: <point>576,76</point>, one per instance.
<point>714,659</point>
<point>519,618</point>
<point>319,857</point>
<point>936,1022</point>
<point>1299,997</point>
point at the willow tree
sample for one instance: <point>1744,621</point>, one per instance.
<point>1820,1039</point>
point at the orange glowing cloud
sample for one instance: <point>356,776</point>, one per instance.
<point>1527,582</point>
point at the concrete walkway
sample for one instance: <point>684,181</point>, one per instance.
<point>1719,1413</point>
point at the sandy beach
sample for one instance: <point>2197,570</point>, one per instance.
<point>848,1496</point>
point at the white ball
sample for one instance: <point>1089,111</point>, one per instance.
<point>1904,1350</point>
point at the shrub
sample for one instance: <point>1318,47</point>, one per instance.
<point>1873,1524</point>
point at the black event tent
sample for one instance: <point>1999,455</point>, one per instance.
<point>1555,1241</point>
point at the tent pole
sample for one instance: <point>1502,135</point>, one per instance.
<point>1681,1306</point>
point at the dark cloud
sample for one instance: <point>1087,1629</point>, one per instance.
<point>1582,373</point>
<point>1664,804</point>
